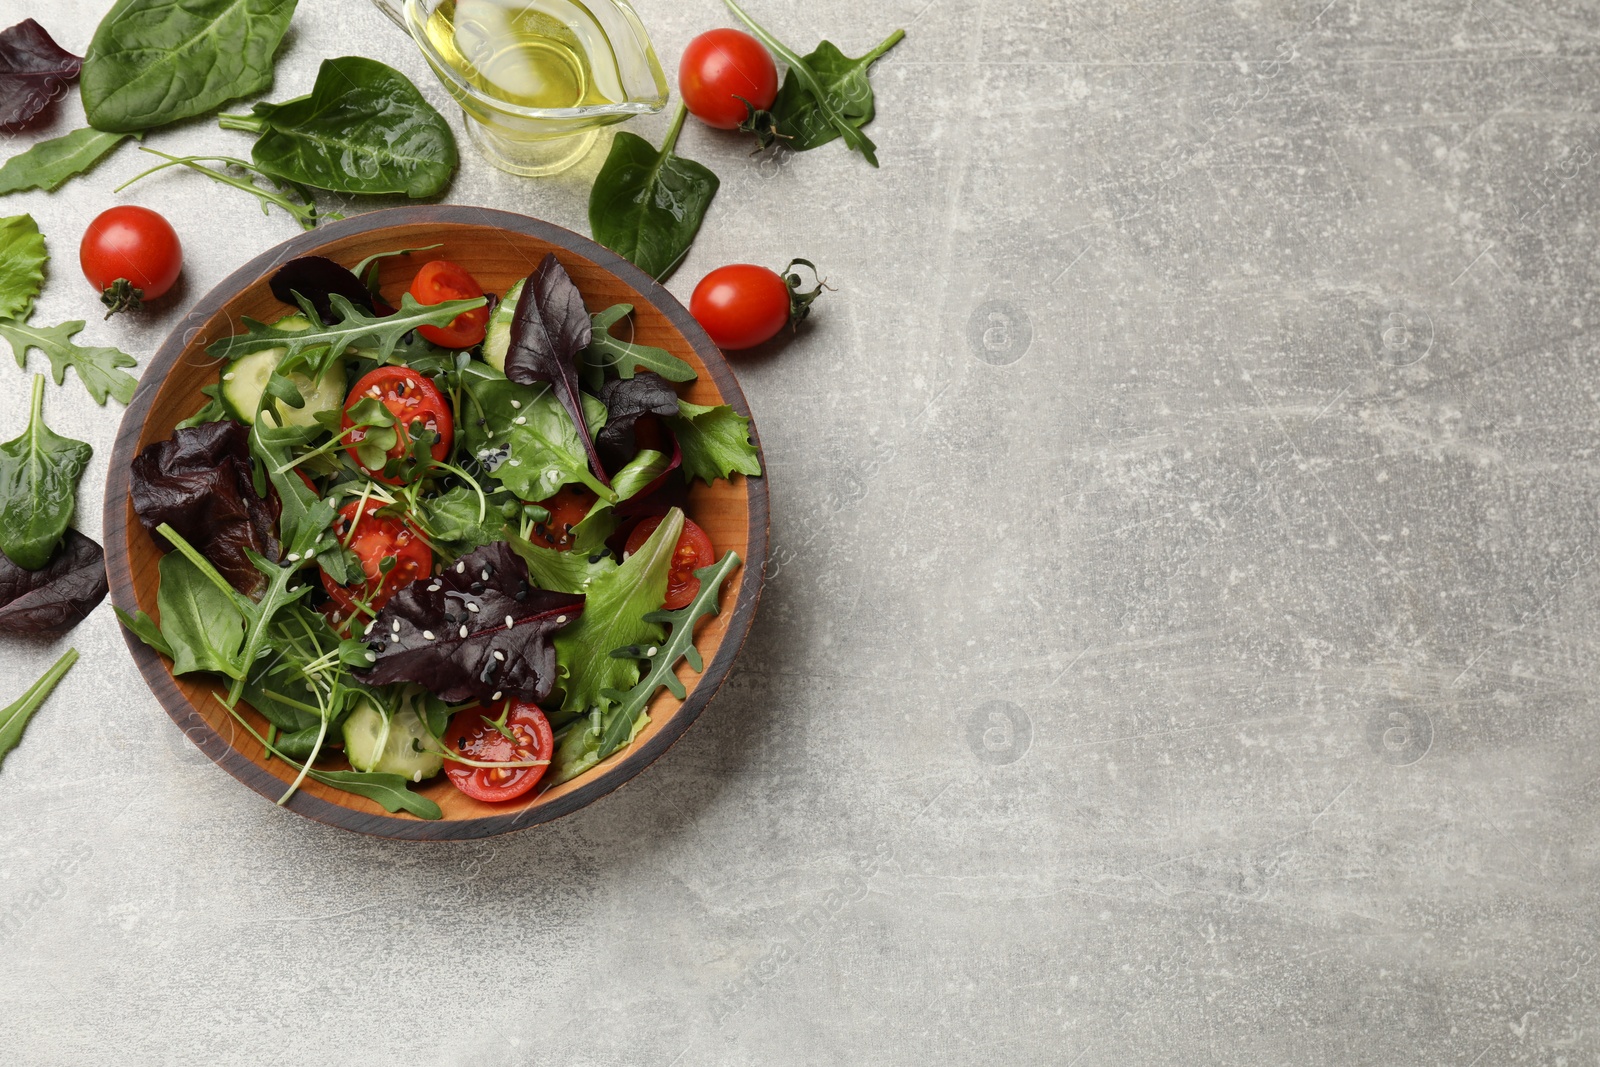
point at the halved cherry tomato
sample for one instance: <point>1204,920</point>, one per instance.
<point>411,398</point>
<point>693,552</point>
<point>473,738</point>
<point>442,280</point>
<point>567,508</point>
<point>375,538</point>
<point>718,68</point>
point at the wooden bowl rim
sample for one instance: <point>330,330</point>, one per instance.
<point>183,712</point>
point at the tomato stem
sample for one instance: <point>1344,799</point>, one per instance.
<point>122,295</point>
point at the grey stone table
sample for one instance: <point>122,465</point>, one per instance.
<point>1180,641</point>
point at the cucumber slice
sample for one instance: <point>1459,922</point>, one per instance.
<point>497,342</point>
<point>397,744</point>
<point>245,380</point>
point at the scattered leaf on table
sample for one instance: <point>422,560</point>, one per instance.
<point>34,70</point>
<point>48,164</point>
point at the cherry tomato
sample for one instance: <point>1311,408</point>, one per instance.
<point>567,508</point>
<point>411,398</point>
<point>473,738</point>
<point>374,539</point>
<point>130,254</point>
<point>717,68</point>
<point>741,305</point>
<point>693,552</point>
<point>442,280</point>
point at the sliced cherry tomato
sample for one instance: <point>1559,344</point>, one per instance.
<point>442,280</point>
<point>567,508</point>
<point>412,399</point>
<point>718,68</point>
<point>470,736</point>
<point>741,305</point>
<point>693,552</point>
<point>131,254</point>
<point>375,538</point>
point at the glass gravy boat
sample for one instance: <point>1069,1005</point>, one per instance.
<point>536,79</point>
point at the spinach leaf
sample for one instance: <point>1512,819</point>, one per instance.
<point>302,210</point>
<point>563,572</point>
<point>15,717</point>
<point>715,442</point>
<point>312,351</point>
<point>364,129</point>
<point>548,330</point>
<point>99,369</point>
<point>33,71</point>
<point>145,629</point>
<point>39,474</point>
<point>154,61</point>
<point>22,260</point>
<point>615,616</point>
<point>523,437</point>
<point>476,631</point>
<point>647,205</point>
<point>801,119</point>
<point>200,481</point>
<point>58,597</point>
<point>627,400</point>
<point>587,744</point>
<point>606,352</point>
<point>48,164</point>
<point>459,520</point>
<point>200,623</point>
<point>824,95</point>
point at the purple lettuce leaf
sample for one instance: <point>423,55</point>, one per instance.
<point>479,631</point>
<point>315,278</point>
<point>550,327</point>
<point>627,400</point>
<point>56,597</point>
<point>201,483</point>
<point>34,70</point>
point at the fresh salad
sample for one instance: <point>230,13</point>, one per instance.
<point>444,534</point>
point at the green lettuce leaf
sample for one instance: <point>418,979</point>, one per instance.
<point>615,616</point>
<point>22,259</point>
<point>715,442</point>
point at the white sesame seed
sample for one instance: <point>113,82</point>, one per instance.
<point>472,608</point>
<point>435,587</point>
<point>368,630</point>
<point>463,632</point>
<point>311,553</point>
<point>510,621</point>
<point>497,696</point>
<point>486,574</point>
<point>560,619</point>
<point>294,557</point>
<point>372,657</point>
<point>396,626</point>
<point>521,420</point>
<point>516,403</point>
<point>461,567</point>
<point>427,635</point>
<point>650,651</point>
<point>228,377</point>
<point>514,462</point>
<point>501,656</point>
<point>416,776</point>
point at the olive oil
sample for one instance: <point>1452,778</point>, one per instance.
<point>528,53</point>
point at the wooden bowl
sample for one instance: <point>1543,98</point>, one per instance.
<point>499,248</point>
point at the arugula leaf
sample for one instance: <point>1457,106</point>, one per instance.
<point>59,596</point>
<point>200,623</point>
<point>802,121</point>
<point>835,97</point>
<point>312,351</point>
<point>524,438</point>
<point>614,617</point>
<point>563,572</point>
<point>15,717</point>
<point>458,521</point>
<point>98,368</point>
<point>153,61</point>
<point>33,71</point>
<point>22,260</point>
<point>363,129</point>
<point>548,330</point>
<point>387,790</point>
<point>715,442</point>
<point>304,211</point>
<point>39,474</point>
<point>48,164</point>
<point>605,732</point>
<point>477,631</point>
<point>647,205</point>
<point>304,517</point>
<point>606,352</point>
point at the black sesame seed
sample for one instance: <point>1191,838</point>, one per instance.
<point>476,587</point>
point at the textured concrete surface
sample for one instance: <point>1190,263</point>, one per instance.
<point>1180,642</point>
